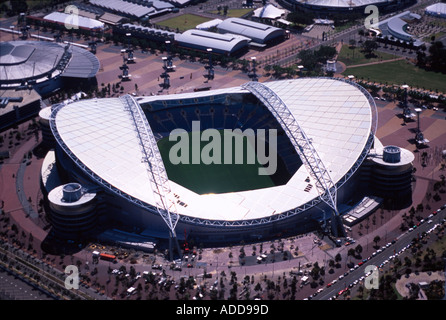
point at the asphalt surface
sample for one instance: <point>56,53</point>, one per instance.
<point>14,288</point>
<point>403,241</point>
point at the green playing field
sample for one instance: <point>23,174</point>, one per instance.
<point>213,178</point>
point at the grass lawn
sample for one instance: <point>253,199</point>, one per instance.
<point>354,56</point>
<point>398,73</point>
<point>213,178</point>
<point>183,22</point>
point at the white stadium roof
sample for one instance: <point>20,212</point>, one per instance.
<point>23,60</point>
<point>337,117</point>
<point>437,9</point>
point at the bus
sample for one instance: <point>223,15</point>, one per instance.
<point>108,257</point>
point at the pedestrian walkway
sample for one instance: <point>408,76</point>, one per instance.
<point>401,284</point>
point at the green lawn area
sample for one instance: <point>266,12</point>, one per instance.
<point>233,13</point>
<point>213,178</point>
<point>354,56</point>
<point>183,22</point>
<point>398,73</point>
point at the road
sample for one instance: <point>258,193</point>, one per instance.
<point>403,241</point>
<point>51,276</point>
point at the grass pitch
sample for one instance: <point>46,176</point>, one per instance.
<point>213,178</point>
<point>183,22</point>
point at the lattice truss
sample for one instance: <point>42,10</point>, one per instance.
<point>156,171</point>
<point>324,184</point>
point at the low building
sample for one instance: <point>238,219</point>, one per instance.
<point>18,106</point>
<point>259,33</point>
<point>227,44</point>
<point>77,21</point>
<point>395,28</point>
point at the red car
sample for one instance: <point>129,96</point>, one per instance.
<point>342,291</point>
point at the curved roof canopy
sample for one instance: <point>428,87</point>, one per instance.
<point>257,32</point>
<point>21,61</point>
<point>338,118</point>
<point>219,43</point>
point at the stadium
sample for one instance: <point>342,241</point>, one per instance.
<point>44,66</point>
<point>118,152</point>
<point>343,6</point>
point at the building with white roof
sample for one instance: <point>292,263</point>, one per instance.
<point>269,11</point>
<point>258,32</point>
<point>436,10</point>
<point>43,65</point>
<point>78,20</point>
<point>228,44</point>
<point>111,144</point>
<point>395,28</point>
<point>133,8</point>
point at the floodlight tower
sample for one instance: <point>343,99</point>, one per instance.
<point>12,31</point>
<point>125,71</point>
<point>168,64</point>
<point>209,67</point>
<point>253,74</point>
<point>300,67</point>
<point>165,75</point>
<point>406,109</point>
<point>92,45</point>
<point>129,50</point>
<point>419,137</point>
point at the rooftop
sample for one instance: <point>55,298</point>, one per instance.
<point>26,60</point>
<point>336,115</point>
<point>258,32</point>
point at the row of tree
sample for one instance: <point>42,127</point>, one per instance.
<point>435,60</point>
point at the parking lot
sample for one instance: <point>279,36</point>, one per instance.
<point>12,288</point>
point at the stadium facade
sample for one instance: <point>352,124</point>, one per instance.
<point>343,6</point>
<point>32,70</point>
<point>43,66</point>
<point>108,147</point>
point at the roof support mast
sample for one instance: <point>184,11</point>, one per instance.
<point>155,168</point>
<point>324,184</point>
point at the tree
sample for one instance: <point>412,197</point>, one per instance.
<point>338,258</point>
<point>437,56</point>
<point>358,249</point>
<point>376,240</point>
<point>368,47</point>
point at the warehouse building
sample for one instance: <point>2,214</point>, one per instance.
<point>259,33</point>
<point>227,44</point>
